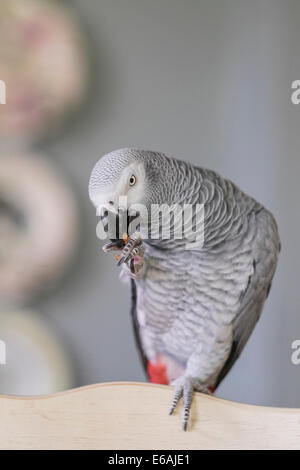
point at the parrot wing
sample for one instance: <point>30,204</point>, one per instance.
<point>252,299</point>
<point>252,302</point>
<point>243,326</point>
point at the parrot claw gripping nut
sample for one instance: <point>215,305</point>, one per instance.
<point>132,256</point>
<point>193,305</point>
<point>132,249</point>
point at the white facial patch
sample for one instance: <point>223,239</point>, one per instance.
<point>122,190</point>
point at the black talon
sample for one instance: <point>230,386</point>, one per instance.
<point>121,260</point>
<point>127,258</point>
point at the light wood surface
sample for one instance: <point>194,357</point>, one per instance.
<point>135,416</point>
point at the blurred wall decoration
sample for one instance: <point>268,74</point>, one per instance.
<point>43,61</point>
<point>44,66</point>
<point>39,227</point>
<point>36,362</point>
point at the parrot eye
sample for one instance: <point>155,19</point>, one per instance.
<point>132,180</point>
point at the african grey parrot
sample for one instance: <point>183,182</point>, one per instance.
<point>193,309</point>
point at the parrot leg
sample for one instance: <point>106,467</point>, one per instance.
<point>201,368</point>
<point>185,386</point>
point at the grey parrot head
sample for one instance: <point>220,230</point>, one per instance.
<point>137,175</point>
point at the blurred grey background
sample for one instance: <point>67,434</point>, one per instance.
<point>208,81</point>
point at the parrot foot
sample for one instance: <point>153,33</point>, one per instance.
<point>134,248</point>
<point>185,387</point>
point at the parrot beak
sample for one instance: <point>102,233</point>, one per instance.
<point>113,246</point>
